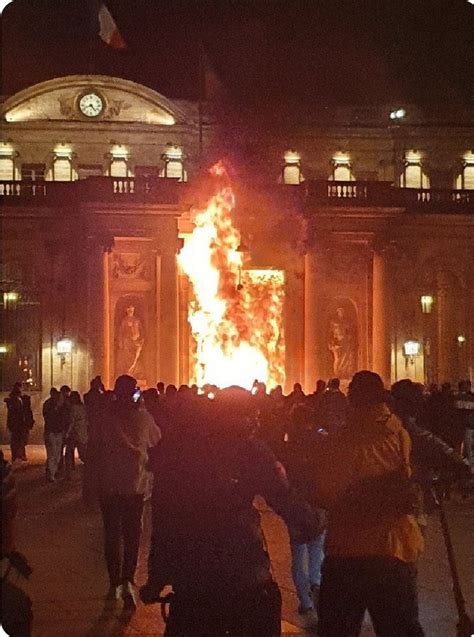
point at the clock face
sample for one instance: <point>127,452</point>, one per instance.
<point>91,105</point>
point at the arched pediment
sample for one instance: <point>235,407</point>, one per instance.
<point>123,101</point>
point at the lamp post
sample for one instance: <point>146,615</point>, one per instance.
<point>411,349</point>
<point>397,116</point>
<point>426,302</point>
<point>64,348</point>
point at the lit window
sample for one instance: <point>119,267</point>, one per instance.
<point>342,168</point>
<point>291,173</point>
<point>119,162</point>
<point>174,164</point>
<point>7,162</point>
<point>465,180</point>
<point>62,168</point>
<point>413,175</point>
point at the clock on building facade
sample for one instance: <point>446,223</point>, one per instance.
<point>91,104</point>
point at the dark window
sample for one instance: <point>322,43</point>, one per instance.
<point>33,172</point>
<point>89,170</point>
<point>20,338</point>
<point>147,171</point>
<point>20,328</point>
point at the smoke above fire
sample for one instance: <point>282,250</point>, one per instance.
<point>235,314</point>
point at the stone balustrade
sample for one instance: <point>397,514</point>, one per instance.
<point>314,194</point>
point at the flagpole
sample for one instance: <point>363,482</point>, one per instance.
<point>92,34</point>
<point>202,96</point>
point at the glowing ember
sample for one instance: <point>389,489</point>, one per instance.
<point>236,316</point>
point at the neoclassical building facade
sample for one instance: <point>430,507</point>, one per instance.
<point>369,215</point>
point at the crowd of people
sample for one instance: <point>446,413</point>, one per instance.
<point>350,475</point>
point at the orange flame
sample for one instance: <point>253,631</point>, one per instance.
<point>236,316</point>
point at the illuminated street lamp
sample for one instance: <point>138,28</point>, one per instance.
<point>426,303</point>
<point>411,348</point>
<point>398,114</point>
<point>63,348</point>
<point>10,299</point>
<point>461,339</point>
<point>3,349</point>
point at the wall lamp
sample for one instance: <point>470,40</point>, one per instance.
<point>411,348</point>
<point>426,303</point>
<point>63,348</point>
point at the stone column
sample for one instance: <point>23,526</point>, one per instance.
<point>169,319</point>
<point>98,315</point>
<point>442,308</point>
<point>381,297</point>
<point>314,362</point>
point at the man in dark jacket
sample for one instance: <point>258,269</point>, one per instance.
<point>206,540</point>
<point>332,408</point>
<point>19,422</point>
<point>118,453</point>
<point>53,433</point>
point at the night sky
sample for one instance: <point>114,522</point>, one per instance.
<point>267,53</point>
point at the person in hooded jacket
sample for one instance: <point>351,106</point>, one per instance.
<point>118,454</point>
<point>373,540</point>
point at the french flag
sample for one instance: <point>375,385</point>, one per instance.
<point>109,32</point>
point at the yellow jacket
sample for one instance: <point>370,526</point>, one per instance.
<point>372,445</point>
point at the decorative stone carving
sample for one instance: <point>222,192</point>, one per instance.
<point>66,106</point>
<point>342,339</point>
<point>130,265</point>
<point>115,107</point>
<point>130,339</point>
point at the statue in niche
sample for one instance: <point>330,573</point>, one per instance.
<point>343,344</point>
<point>131,339</point>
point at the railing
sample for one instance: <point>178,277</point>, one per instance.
<point>22,189</point>
<point>346,190</point>
<point>152,190</point>
<point>310,195</point>
<point>384,194</point>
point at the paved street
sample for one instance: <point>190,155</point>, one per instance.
<point>63,541</point>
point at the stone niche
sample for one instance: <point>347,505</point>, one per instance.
<point>132,310</point>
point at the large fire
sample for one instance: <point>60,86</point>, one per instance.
<point>236,314</point>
